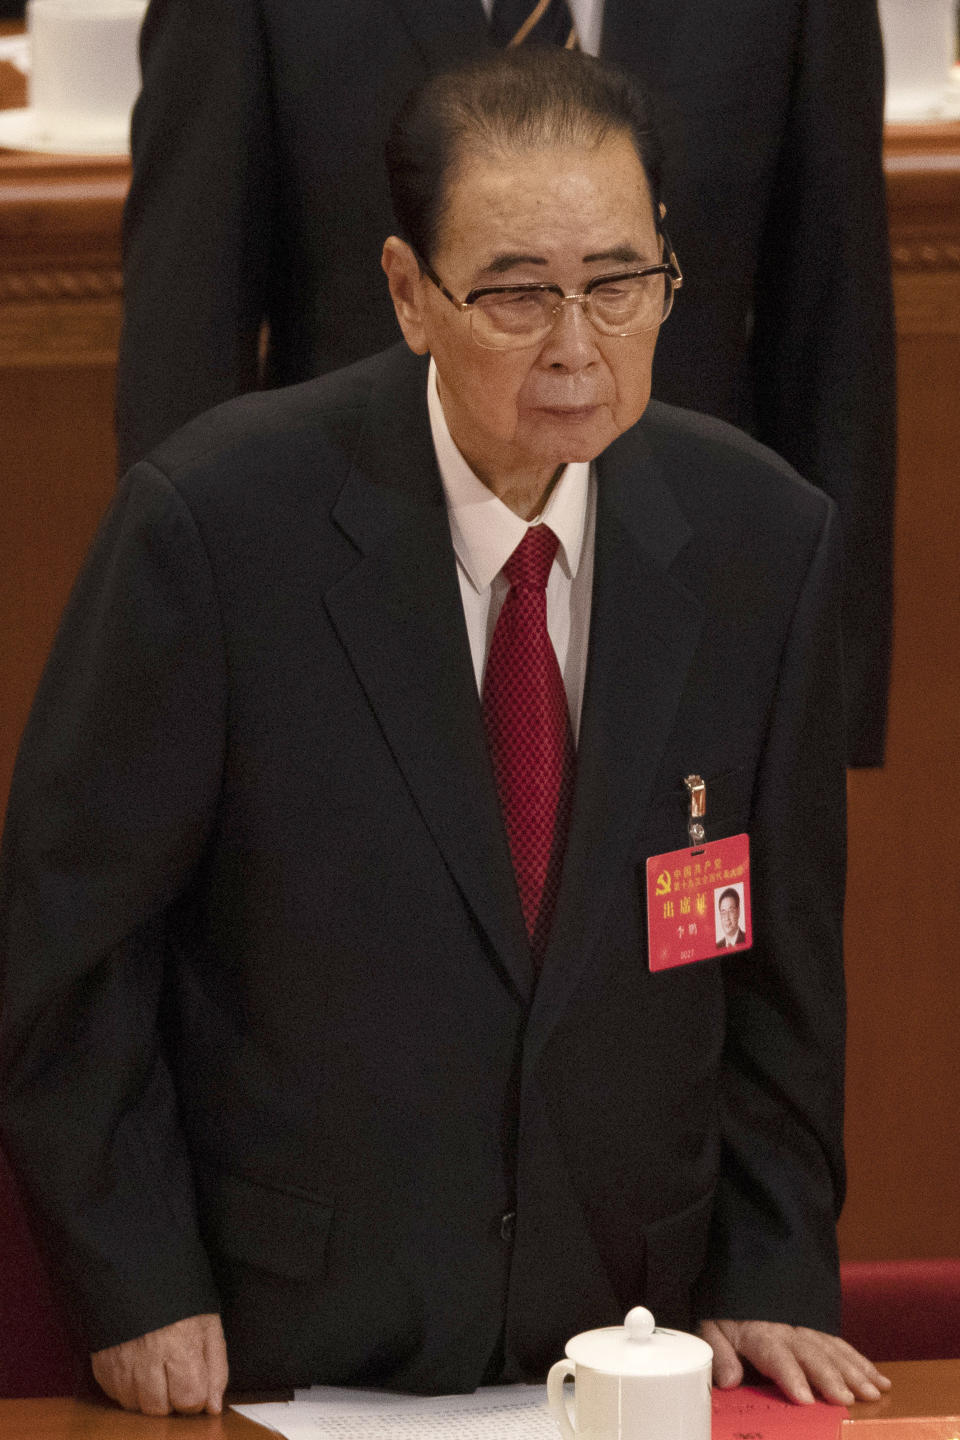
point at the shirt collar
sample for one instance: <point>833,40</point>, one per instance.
<point>486,532</point>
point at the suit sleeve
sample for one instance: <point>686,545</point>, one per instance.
<point>200,218</point>
<point>112,800</point>
<point>773,1249</point>
<point>823,335</point>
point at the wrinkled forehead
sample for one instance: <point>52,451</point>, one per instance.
<point>537,188</point>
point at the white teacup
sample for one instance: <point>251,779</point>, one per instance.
<point>634,1382</point>
<point>85,75</point>
<point>920,42</point>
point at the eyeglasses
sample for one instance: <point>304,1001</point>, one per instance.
<point>512,317</point>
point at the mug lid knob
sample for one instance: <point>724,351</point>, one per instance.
<point>639,1323</point>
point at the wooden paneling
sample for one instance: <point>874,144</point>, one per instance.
<point>60,306</point>
<point>58,467</point>
<point>903,894</point>
<point>59,319</point>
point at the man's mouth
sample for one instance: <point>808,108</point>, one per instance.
<point>568,412</point>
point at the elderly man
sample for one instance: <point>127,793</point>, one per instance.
<point>328,1008</point>
<point>256,195</point>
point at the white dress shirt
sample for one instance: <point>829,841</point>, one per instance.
<point>587,16</point>
<point>485,533</point>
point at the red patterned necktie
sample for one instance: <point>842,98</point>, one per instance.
<point>528,734</point>
<point>533,22</point>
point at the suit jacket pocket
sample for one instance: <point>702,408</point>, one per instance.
<point>676,1249</point>
<point>280,1232</point>
<point>268,1250</point>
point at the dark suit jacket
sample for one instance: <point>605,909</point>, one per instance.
<point>259,190</point>
<point>272,1042</point>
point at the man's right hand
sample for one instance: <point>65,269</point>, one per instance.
<point>181,1367</point>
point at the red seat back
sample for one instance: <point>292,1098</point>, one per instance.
<point>902,1309</point>
<point>36,1355</point>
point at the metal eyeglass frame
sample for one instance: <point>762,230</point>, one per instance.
<point>669,267</point>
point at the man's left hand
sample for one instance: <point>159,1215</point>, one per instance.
<point>799,1360</point>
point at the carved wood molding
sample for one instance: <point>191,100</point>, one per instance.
<point>75,283</point>
<point>926,255</point>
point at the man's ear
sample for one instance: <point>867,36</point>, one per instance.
<point>406,291</point>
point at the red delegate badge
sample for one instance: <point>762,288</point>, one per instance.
<point>698,902</point>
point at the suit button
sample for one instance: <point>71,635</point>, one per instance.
<point>508,1223</point>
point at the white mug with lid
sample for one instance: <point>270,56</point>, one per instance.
<point>634,1382</point>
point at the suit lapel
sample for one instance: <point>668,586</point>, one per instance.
<point>643,632</point>
<point>399,616</point>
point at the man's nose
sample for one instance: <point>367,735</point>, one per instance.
<point>572,343</point>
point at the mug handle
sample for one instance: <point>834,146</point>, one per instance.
<point>556,1398</point>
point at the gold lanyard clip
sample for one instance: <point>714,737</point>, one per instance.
<point>697,791</point>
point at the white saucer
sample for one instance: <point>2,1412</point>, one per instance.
<point>20,130</point>
<point>945,106</point>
